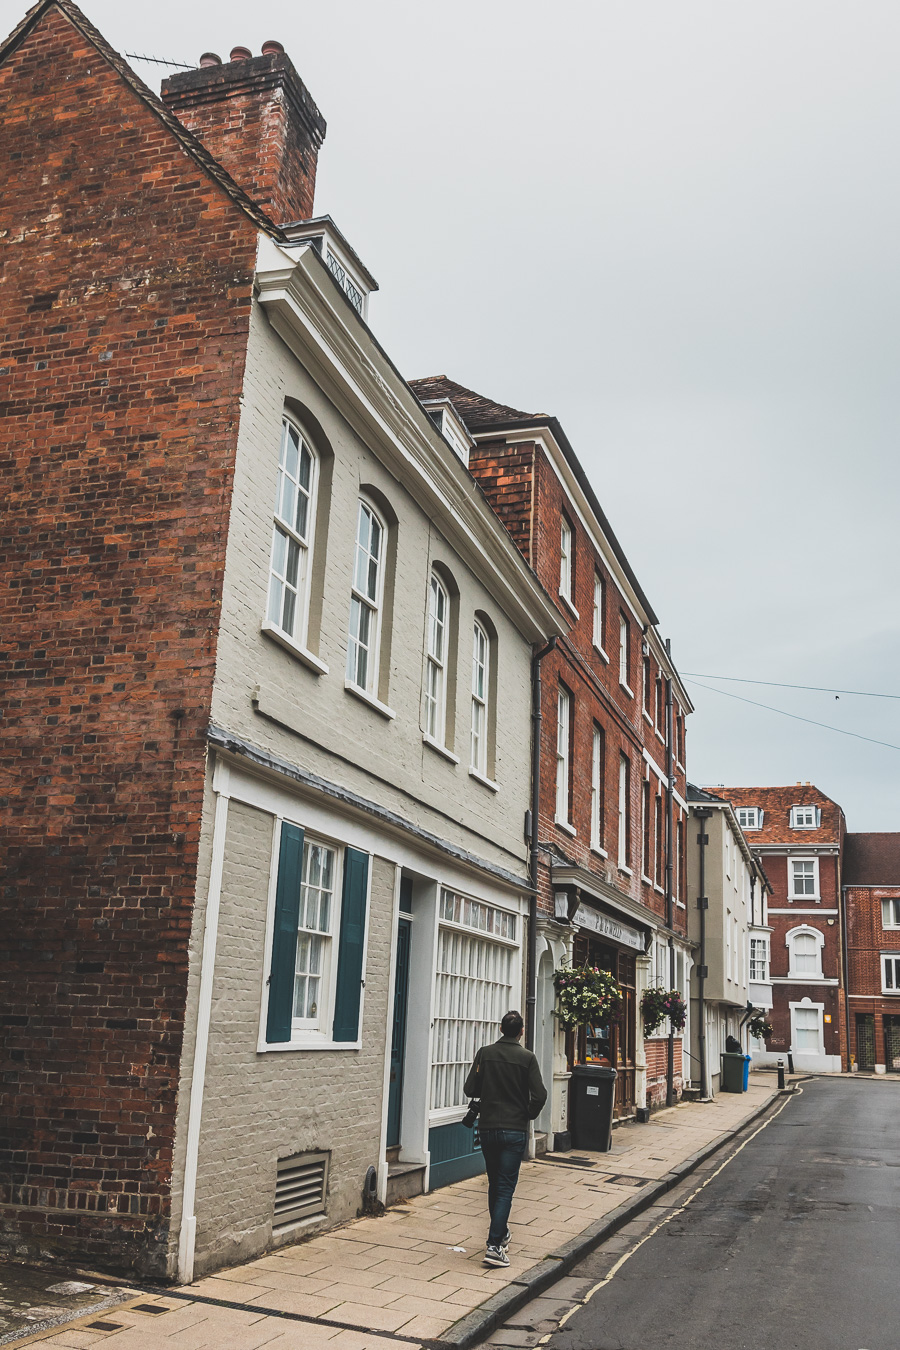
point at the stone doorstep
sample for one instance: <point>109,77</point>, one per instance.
<point>477,1325</point>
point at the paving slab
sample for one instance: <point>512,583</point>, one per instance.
<point>413,1288</point>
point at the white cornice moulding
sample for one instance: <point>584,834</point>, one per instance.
<point>342,356</point>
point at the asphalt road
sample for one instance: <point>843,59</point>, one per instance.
<point>793,1245</point>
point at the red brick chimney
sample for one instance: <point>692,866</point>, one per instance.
<point>256,117</point>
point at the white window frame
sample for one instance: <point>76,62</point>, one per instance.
<point>596,790</point>
<point>759,960</point>
<point>624,640</point>
<point>804,930</point>
<point>563,734</point>
<point>793,893</point>
<point>436,660</point>
<point>455,1035</point>
<point>481,657</point>
<point>890,971</point>
<point>324,1016</point>
<point>565,559</point>
<point>364,601</point>
<point>600,614</point>
<point>622,841</point>
<point>890,911</point>
<point>289,492</point>
<point>799,820</point>
<point>805,1007</point>
<point>750,816</point>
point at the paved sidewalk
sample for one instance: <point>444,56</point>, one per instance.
<point>415,1275</point>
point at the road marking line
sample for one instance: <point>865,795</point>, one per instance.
<point>614,1270</point>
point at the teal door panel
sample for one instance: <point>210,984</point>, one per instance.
<point>455,1154</point>
<point>398,1033</point>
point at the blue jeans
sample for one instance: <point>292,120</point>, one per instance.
<point>503,1152</point>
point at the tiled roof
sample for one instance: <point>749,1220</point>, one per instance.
<point>475,409</point>
<point>872,860</point>
<point>776,803</point>
<point>188,142</point>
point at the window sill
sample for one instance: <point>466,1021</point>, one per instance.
<point>568,604</point>
<point>648,881</point>
<point>627,870</point>
<point>373,702</point>
<point>659,890</point>
<point>680,904</point>
<point>310,1041</point>
<point>660,736</point>
<point>484,780</point>
<point>601,653</point>
<point>623,685</point>
<point>440,749</point>
<point>564,825</point>
<point>647,718</point>
<point>601,852</point>
<point>295,649</point>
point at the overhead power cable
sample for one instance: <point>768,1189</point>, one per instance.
<point>840,730</point>
<point>777,684</point>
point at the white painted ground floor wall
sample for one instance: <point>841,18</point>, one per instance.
<point>245,1103</point>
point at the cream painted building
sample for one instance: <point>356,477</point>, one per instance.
<point>727,923</point>
<point>361,922</point>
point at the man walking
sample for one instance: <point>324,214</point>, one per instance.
<point>506,1078</point>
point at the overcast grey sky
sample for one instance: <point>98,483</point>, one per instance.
<point>675,225</point>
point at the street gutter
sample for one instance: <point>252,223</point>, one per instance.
<point>476,1326</point>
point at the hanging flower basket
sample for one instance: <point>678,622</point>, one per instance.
<point>586,994</point>
<point>759,1027</point>
<point>659,1004</point>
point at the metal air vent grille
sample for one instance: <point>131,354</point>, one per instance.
<point>300,1187</point>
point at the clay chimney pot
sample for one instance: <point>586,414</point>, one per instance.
<point>210,59</point>
<point>272,48</point>
<point>241,54</point>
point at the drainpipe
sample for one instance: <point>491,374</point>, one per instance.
<point>702,813</point>
<point>536,719</point>
<point>670,849</point>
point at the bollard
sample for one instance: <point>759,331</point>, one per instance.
<point>781,1075</point>
<point>790,1062</point>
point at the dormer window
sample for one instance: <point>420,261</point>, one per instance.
<point>805,817</point>
<point>348,270</point>
<point>451,426</point>
<point>749,817</point>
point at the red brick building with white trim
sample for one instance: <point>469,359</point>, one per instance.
<point>871,890</point>
<point>798,835</point>
<point>603,816</point>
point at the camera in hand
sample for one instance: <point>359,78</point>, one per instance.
<point>471,1115</point>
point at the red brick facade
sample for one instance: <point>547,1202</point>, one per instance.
<point>127,274</point>
<point>872,917</point>
<point>784,847</point>
<point>257,119</point>
<point>528,494</point>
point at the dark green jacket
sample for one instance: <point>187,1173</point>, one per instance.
<point>507,1080</point>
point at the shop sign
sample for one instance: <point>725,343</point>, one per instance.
<point>605,926</point>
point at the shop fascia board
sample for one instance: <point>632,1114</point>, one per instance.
<point>605,894</point>
<point>641,612</point>
<point>313,317</point>
<point>295,783</point>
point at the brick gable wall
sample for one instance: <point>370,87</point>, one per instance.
<point>127,278</point>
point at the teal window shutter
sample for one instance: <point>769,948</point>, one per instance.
<point>284,937</point>
<point>350,953</point>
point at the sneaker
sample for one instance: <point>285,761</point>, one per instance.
<point>505,1241</point>
<point>495,1256</point>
